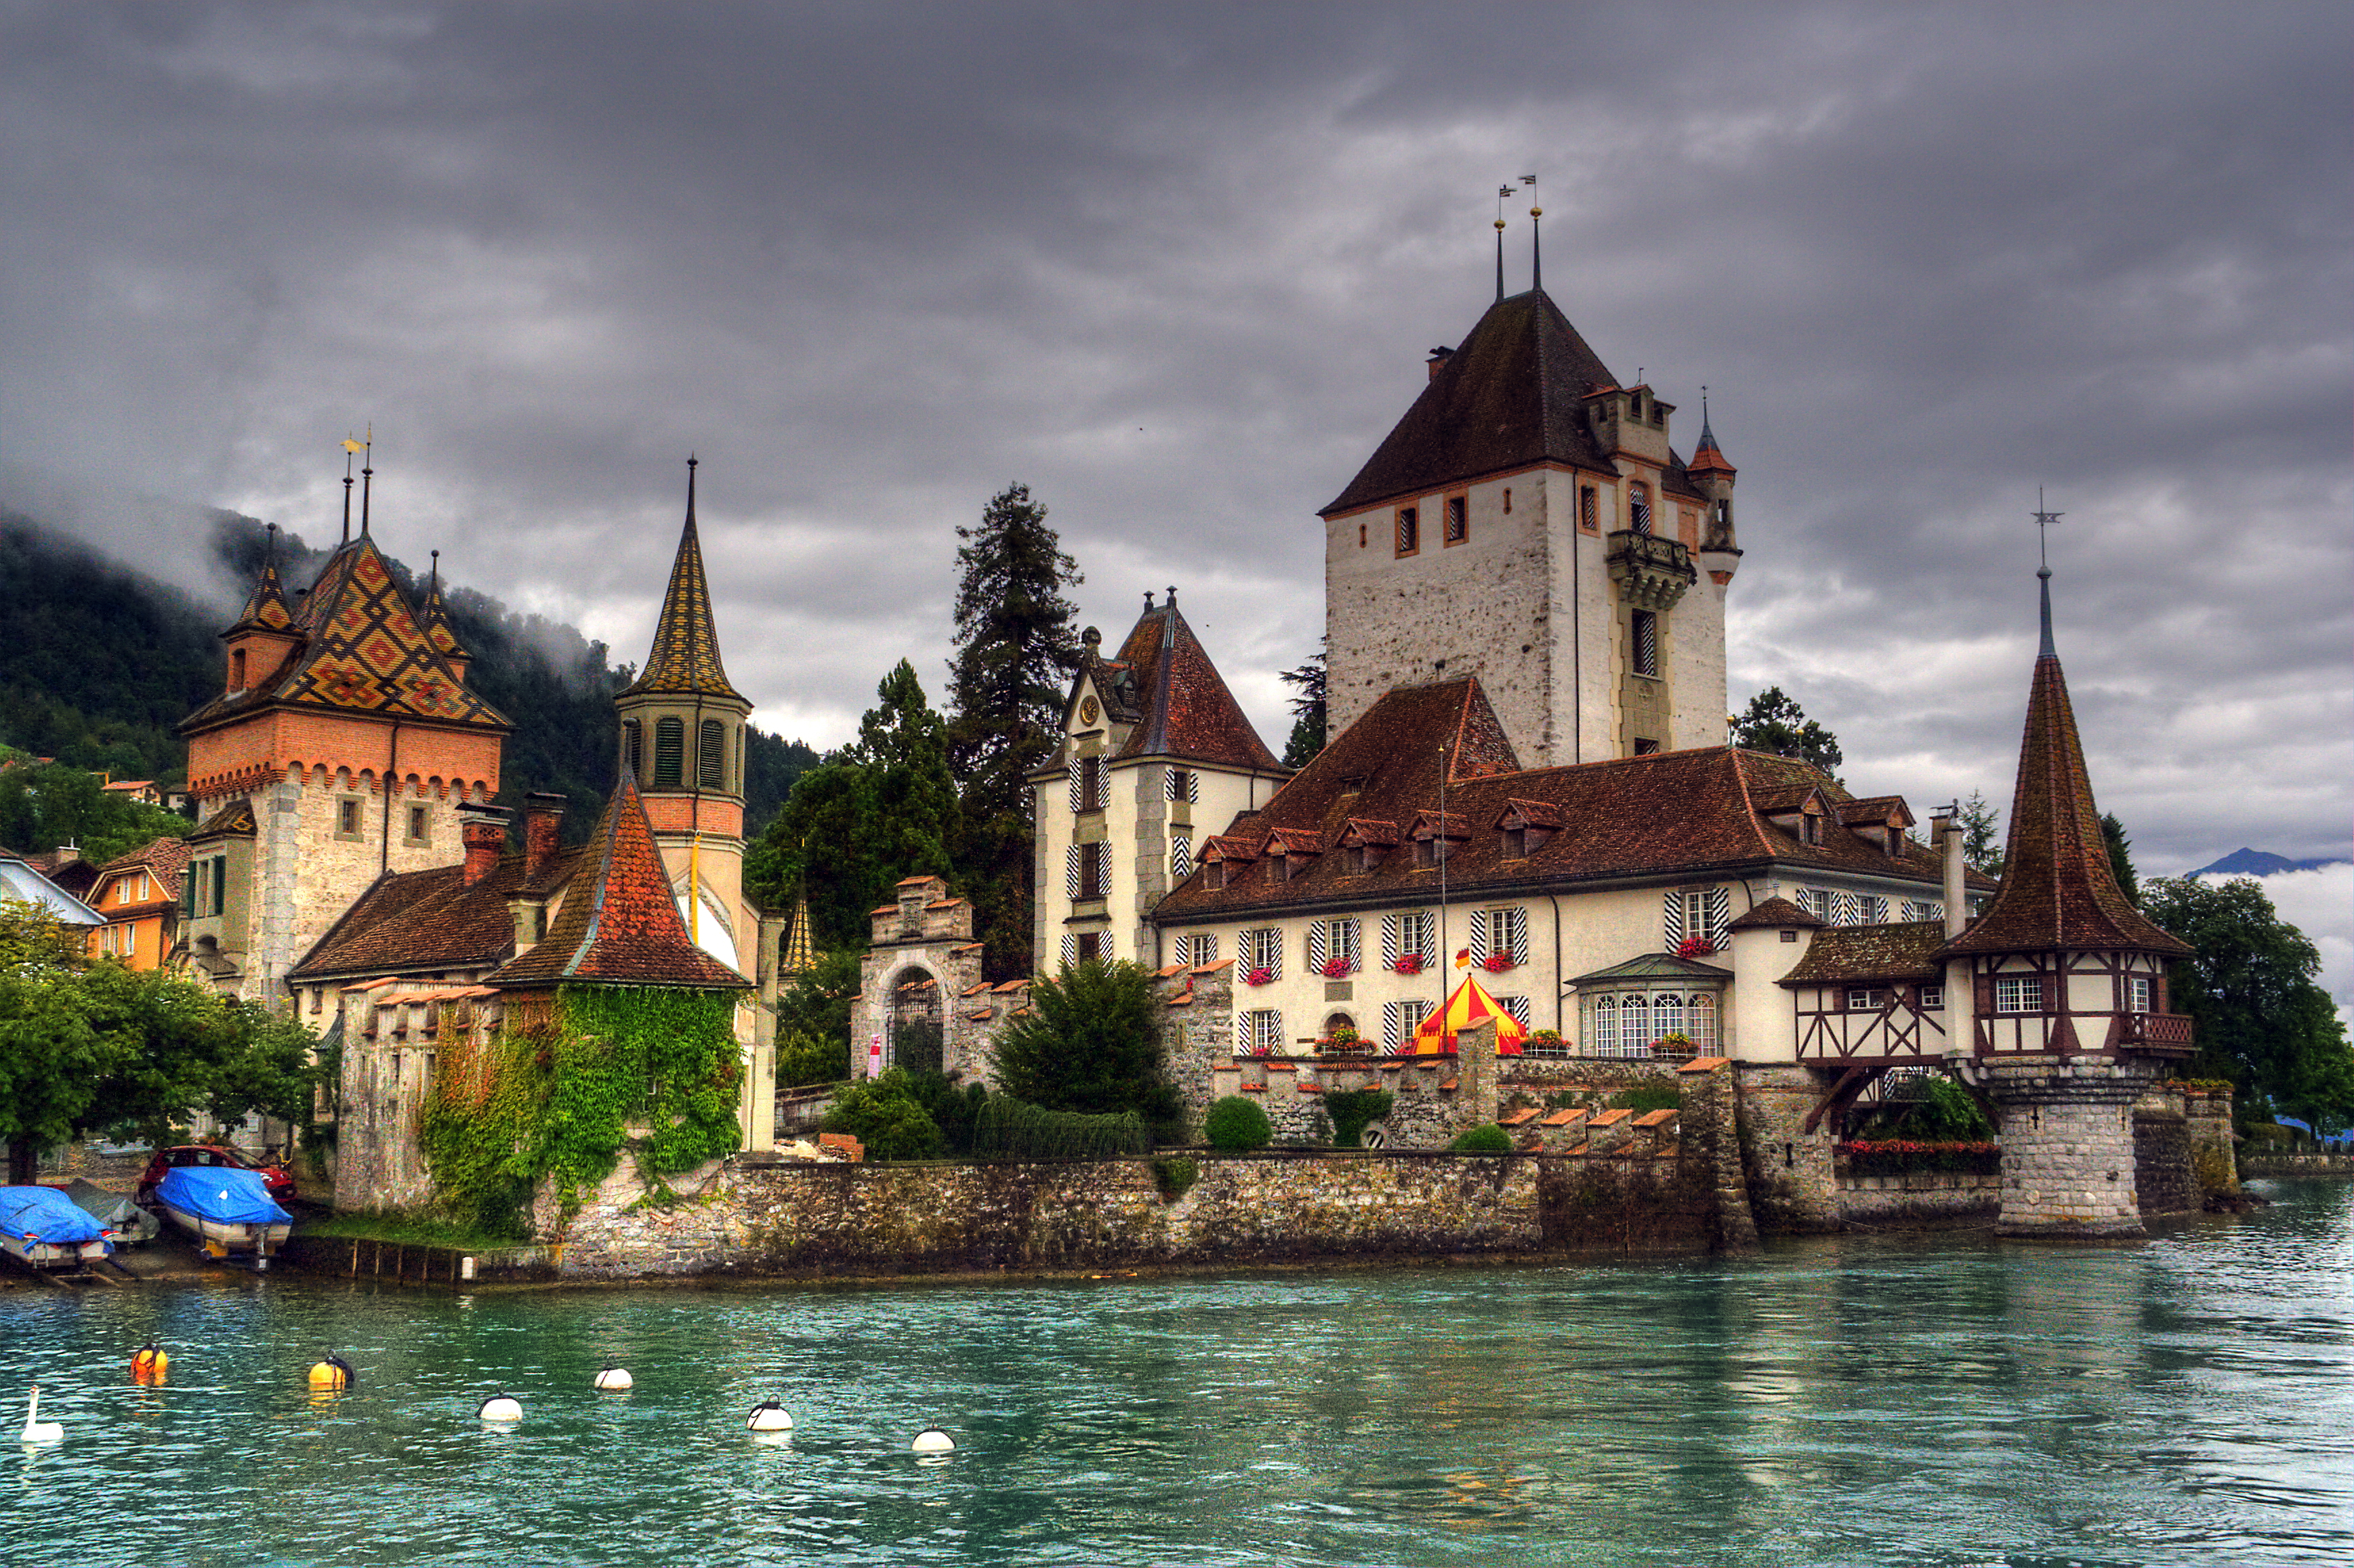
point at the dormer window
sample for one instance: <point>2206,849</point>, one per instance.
<point>1363,858</point>
<point>1516,843</point>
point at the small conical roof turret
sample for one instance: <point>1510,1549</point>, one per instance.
<point>265,608</point>
<point>1709,458</point>
<point>684,658</point>
<point>433,617</point>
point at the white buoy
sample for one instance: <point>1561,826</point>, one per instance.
<point>501,1407</point>
<point>36,1429</point>
<point>614,1380</point>
<point>767,1416</point>
<point>931,1440</point>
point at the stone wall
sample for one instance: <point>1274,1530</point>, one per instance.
<point>1792,1187</point>
<point>764,1217</point>
<point>1926,1197</point>
<point>2163,1177</point>
<point>2261,1167</point>
<point>2214,1152</point>
<point>2068,1155</point>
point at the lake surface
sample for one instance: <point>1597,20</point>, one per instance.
<point>1946,1399</point>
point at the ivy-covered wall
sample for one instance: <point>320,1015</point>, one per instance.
<point>559,1095</point>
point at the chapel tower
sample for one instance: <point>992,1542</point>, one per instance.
<point>1528,521</point>
<point>682,742</point>
<point>341,747</point>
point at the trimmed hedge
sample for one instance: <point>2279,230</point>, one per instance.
<point>1236,1123</point>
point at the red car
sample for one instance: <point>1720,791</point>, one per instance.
<point>274,1176</point>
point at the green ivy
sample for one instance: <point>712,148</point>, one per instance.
<point>559,1105</point>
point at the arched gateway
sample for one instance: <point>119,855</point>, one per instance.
<point>921,1001</point>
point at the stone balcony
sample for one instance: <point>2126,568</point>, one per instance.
<point>1652,571</point>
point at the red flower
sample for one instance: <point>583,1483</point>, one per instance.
<point>1338,969</point>
<point>1408,964</point>
<point>1261,976</point>
<point>1499,960</point>
<point>1694,947</point>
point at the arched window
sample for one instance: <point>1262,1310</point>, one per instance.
<point>1639,508</point>
<point>670,751</point>
<point>1634,1034</point>
<point>1699,1023</point>
<point>634,751</point>
<point>712,762</point>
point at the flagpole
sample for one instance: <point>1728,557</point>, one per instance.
<point>1441,843</point>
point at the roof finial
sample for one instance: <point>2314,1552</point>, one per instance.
<point>692,463</point>
<point>435,590</point>
<point>350,446</point>
<point>1502,193</point>
<point>2043,521</point>
<point>368,474</point>
<point>1707,436</point>
<point>1173,595</point>
<point>1148,601</point>
<point>1536,236</point>
<point>269,550</point>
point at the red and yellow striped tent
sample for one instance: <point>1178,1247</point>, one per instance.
<point>1470,1004</point>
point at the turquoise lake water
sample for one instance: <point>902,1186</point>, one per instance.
<point>1945,1399</point>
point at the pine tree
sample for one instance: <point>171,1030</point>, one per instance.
<point>1307,711</point>
<point>1982,843</point>
<point>1775,723</point>
<point>1016,656</point>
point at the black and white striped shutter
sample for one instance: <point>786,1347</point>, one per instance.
<point>1180,856</point>
<point>1518,1006</point>
<point>1070,950</point>
<point>1516,923</point>
<point>1478,936</point>
<point>1077,771</point>
<point>1393,927</point>
<point>1071,871</point>
<point>1671,920</point>
<point>1316,946</point>
<point>1720,915</point>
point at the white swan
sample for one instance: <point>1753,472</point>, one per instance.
<point>36,1429</point>
<point>768,1417</point>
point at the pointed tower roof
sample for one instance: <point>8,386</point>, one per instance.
<point>1183,706</point>
<point>685,659</point>
<point>1708,457</point>
<point>434,616</point>
<point>265,609</point>
<point>363,652</point>
<point>619,924</point>
<point>1511,396</point>
<point>800,948</point>
<point>2058,890</point>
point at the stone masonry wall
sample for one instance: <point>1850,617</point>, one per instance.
<point>2163,1176</point>
<point>2068,1167</point>
<point>766,1218</point>
<point>1792,1185</point>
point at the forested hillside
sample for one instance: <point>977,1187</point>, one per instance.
<point>99,662</point>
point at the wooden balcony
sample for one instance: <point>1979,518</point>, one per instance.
<point>2153,1033</point>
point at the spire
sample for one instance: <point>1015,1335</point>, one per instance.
<point>265,607</point>
<point>800,955</point>
<point>1536,237</point>
<point>1182,707</point>
<point>433,617</point>
<point>619,924</point>
<point>1707,458</point>
<point>2043,521</point>
<point>368,476</point>
<point>684,658</point>
<point>1503,193</point>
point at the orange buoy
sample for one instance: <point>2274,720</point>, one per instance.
<point>333,1372</point>
<point>149,1364</point>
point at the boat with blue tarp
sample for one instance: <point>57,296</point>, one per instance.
<point>44,1229</point>
<point>227,1210</point>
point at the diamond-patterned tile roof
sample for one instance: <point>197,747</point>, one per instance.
<point>685,659</point>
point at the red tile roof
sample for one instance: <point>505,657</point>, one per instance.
<point>1673,814</point>
<point>1176,699</point>
<point>619,924</point>
<point>1772,912</point>
<point>2058,890</point>
<point>419,920</point>
<point>165,860</point>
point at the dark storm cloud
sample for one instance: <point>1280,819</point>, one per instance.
<point>1177,268</point>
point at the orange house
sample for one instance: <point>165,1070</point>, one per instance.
<point>140,895</point>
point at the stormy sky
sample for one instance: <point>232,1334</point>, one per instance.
<point>1177,268</point>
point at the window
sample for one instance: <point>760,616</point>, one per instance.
<point>1090,946</point>
<point>713,760</point>
<point>1085,865</point>
<point>1668,1015</point>
<point>1364,857</point>
<point>1399,1020</point>
<point>2019,993</point>
<point>348,818</point>
<point>1644,637</point>
<point>1182,784</point>
<point>1200,947</point>
<point>1870,909</point>
<point>1923,910</point>
<point>220,883</point>
<point>1699,1023</point>
<point>1589,510</point>
<point>1260,948</point>
<point>1458,519</point>
<point>192,898</point>
<point>1407,935</point>
<point>1647,747</point>
<point>633,750</point>
<point>1334,949</point>
<point>1501,934</point>
<point>1602,1027</point>
<point>1088,783</point>
<point>1933,997</point>
<point>1639,508</point>
<point>237,670</point>
<point>1866,999</point>
<point>669,752</point>
<point>1409,531</point>
<point>2138,994</point>
<point>1518,1006</point>
<point>1262,1031</point>
<point>1180,857</point>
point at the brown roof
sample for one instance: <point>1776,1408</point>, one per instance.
<point>684,658</point>
<point>1772,912</point>
<point>2058,890</point>
<point>1905,950</point>
<point>619,924</point>
<point>359,648</point>
<point>426,920</point>
<point>164,859</point>
<point>1166,686</point>
<point>1673,814</point>
<point>232,820</point>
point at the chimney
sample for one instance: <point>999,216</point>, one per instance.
<point>1947,826</point>
<point>543,815</point>
<point>485,830</point>
<point>1437,361</point>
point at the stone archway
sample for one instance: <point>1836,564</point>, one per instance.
<point>914,1020</point>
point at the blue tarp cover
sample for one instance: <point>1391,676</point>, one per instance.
<point>221,1192</point>
<point>45,1214</point>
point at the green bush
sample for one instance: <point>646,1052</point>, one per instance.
<point>805,1060</point>
<point>1175,1177</point>
<point>1237,1123</point>
<point>955,1110</point>
<point>1648,1097</point>
<point>1486,1138</point>
<point>1353,1110</point>
<point>885,1116</point>
<point>1007,1128</point>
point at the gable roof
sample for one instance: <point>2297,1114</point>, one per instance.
<point>164,859</point>
<point>1906,949</point>
<point>415,920</point>
<point>619,924</point>
<point>684,658</point>
<point>2058,890</point>
<point>1164,686</point>
<point>233,821</point>
<point>360,649</point>
<point>22,881</point>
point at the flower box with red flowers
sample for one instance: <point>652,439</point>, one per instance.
<point>1408,964</point>
<point>1499,960</point>
<point>1260,976</point>
<point>1337,969</point>
<point>1694,947</point>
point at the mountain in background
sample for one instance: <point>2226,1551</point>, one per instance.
<point>98,663</point>
<point>2263,863</point>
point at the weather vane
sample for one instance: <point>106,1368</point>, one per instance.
<point>2043,521</point>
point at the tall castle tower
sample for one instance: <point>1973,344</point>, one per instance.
<point>1528,522</point>
<point>683,741</point>
<point>342,743</point>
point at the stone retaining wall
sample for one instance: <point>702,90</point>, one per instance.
<point>2253,1167</point>
<point>787,1220</point>
<point>1923,1197</point>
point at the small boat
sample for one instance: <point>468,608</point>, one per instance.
<point>46,1230</point>
<point>131,1224</point>
<point>226,1209</point>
